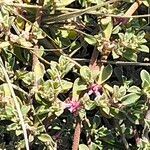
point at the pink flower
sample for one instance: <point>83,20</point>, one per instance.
<point>73,106</point>
<point>95,89</point>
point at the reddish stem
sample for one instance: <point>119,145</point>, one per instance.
<point>76,138</point>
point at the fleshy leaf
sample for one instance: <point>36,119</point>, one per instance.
<point>134,89</point>
<point>105,74</point>
<point>144,48</point>
<point>130,98</point>
<point>83,147</point>
<point>90,39</point>
<point>66,85</point>
<point>39,71</point>
<point>108,30</point>
<point>78,86</point>
<point>145,76</point>
<point>44,138</point>
<point>85,73</point>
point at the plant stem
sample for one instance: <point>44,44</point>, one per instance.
<point>133,8</point>
<point>124,63</point>
<point>93,61</point>
<point>76,138</point>
<point>35,59</point>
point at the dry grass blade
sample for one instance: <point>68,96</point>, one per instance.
<point>128,14</point>
<point>77,13</point>
<point>16,104</point>
<point>23,5</point>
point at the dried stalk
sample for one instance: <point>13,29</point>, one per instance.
<point>16,104</point>
<point>123,63</point>
<point>93,61</point>
<point>77,13</point>
<point>133,8</point>
<point>77,132</point>
<point>35,59</point>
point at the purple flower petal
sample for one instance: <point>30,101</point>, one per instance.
<point>95,89</point>
<point>73,106</point>
<point>90,92</point>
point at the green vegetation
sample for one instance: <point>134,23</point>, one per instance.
<point>75,74</point>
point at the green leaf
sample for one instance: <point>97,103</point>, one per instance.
<point>40,99</point>
<point>143,48</point>
<point>130,99</point>
<point>106,20</point>
<point>83,147</point>
<point>103,131</point>
<point>118,92</point>
<point>4,44</point>
<point>134,89</point>
<point>19,54</point>
<point>18,132</point>
<point>105,111</point>
<point>27,77</point>
<point>145,84</point>
<point>105,74</point>
<point>37,31</point>
<point>12,126</point>
<point>42,110</point>
<point>108,30</point>
<point>25,43</point>
<point>6,89</point>
<point>115,112</point>
<point>85,72</point>
<point>146,3</point>
<point>96,121</point>
<point>145,76</point>
<point>130,55</point>
<point>66,85</point>
<point>10,111</point>
<point>45,138</point>
<point>90,39</point>
<point>64,65</point>
<point>94,146</point>
<point>103,104</point>
<point>39,71</point>
<point>88,104</point>
<point>41,51</point>
<point>116,29</point>
<point>25,109</point>
<point>78,86</point>
<point>72,34</point>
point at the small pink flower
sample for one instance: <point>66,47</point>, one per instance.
<point>73,106</point>
<point>95,89</point>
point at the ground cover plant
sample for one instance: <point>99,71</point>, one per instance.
<point>74,74</point>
